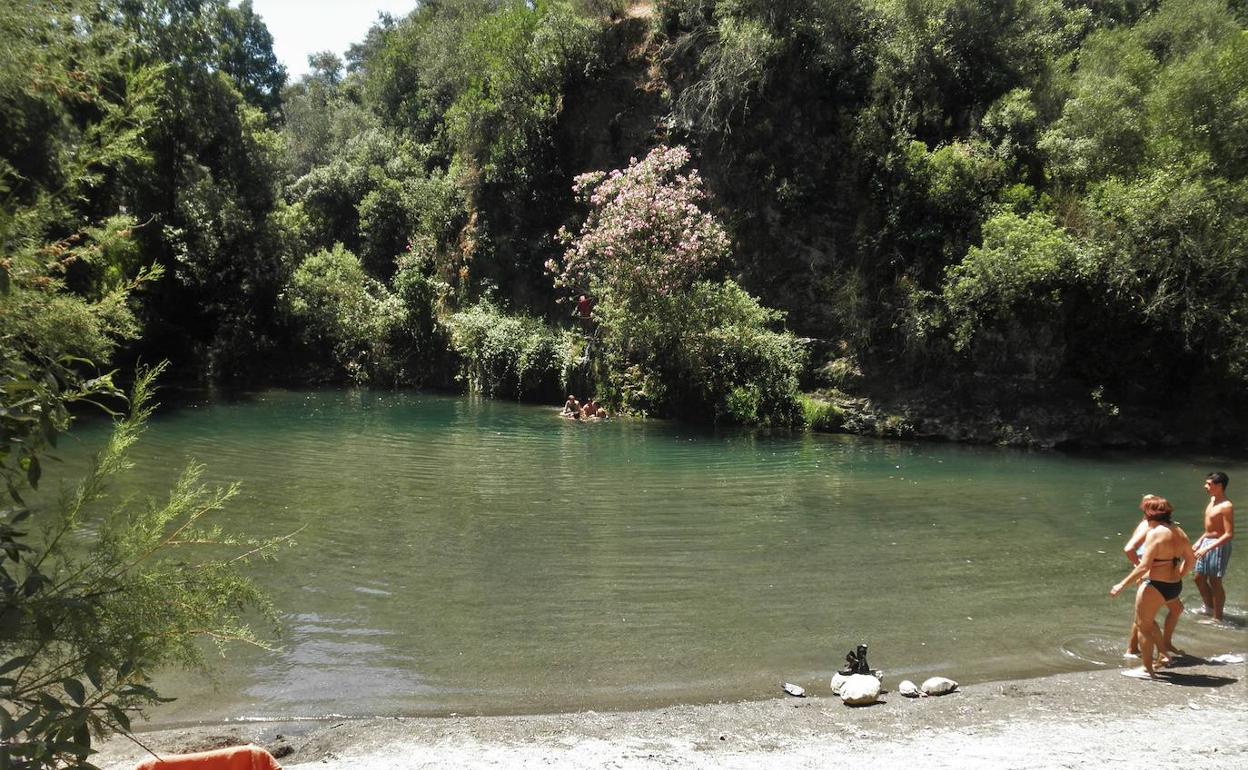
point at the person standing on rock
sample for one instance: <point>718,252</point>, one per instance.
<point>1167,558</point>
<point>1213,550</point>
<point>584,313</point>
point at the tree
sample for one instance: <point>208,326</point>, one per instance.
<point>673,340</point>
<point>82,630</point>
<point>245,53</point>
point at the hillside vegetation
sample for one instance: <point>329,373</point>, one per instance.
<point>1012,221</point>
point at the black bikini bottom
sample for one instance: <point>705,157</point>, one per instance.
<point>1168,591</point>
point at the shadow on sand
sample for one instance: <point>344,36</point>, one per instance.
<point>1194,680</point>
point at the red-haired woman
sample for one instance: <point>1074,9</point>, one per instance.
<point>1167,558</point>
<point>1134,549</point>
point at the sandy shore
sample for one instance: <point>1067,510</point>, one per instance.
<point>1196,718</point>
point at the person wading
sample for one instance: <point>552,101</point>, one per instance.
<point>1213,550</point>
<point>1167,558</point>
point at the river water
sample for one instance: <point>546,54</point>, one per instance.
<point>474,556</point>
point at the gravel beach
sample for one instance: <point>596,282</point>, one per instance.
<point>1195,717</point>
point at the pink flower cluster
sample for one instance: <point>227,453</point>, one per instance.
<point>646,233</point>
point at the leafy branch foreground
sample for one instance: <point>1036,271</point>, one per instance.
<point>91,606</point>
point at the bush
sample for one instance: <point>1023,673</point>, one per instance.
<point>1019,273</point>
<point>85,629</point>
<point>732,362</point>
<point>368,331</point>
<point>344,312</point>
<point>822,415</point>
<point>511,355</point>
<point>672,341</point>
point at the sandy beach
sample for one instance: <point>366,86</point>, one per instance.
<point>1195,717</point>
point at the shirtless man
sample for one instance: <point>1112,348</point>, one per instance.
<point>1213,549</point>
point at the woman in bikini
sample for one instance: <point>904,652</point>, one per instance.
<point>1134,549</point>
<point>1167,558</point>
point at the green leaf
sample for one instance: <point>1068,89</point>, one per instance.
<point>75,690</point>
<point>34,472</point>
<point>82,736</point>
<point>69,747</point>
<point>139,690</point>
<point>119,716</point>
<point>25,721</point>
<point>13,663</point>
<point>10,618</point>
<point>49,703</point>
<point>43,624</point>
<point>92,670</point>
<point>33,583</point>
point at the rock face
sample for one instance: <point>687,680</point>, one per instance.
<point>938,685</point>
<point>860,690</point>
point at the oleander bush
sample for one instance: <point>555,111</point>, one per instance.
<point>673,341</point>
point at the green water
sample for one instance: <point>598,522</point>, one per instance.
<point>474,556</point>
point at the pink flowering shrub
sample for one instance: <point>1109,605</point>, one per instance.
<point>666,339</point>
<point>646,234</point>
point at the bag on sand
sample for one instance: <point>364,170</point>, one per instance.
<point>233,758</point>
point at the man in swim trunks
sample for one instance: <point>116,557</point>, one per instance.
<point>1213,549</point>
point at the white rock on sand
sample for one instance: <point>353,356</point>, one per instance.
<point>938,685</point>
<point>860,690</point>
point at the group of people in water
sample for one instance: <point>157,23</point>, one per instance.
<point>1161,555</point>
<point>590,410</point>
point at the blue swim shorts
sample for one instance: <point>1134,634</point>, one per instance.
<point>1213,564</point>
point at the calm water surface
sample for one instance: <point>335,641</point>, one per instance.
<point>474,556</point>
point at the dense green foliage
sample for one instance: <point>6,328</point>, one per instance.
<point>92,603</point>
<point>1023,199</point>
<point>512,356</point>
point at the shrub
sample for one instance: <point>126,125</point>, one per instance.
<point>1020,271</point>
<point>344,312</point>
<point>732,362</point>
<point>511,355</point>
<point>84,630</point>
<point>673,341</point>
<point>819,414</point>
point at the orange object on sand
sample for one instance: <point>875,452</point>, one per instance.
<point>233,758</point>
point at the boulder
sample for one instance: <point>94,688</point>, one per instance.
<point>860,690</point>
<point>938,685</point>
